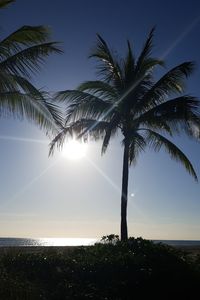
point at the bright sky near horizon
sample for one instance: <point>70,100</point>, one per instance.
<point>56,197</point>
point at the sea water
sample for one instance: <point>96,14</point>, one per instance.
<point>25,242</point>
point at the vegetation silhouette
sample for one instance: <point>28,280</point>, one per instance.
<point>109,270</point>
<point>129,100</point>
<point>21,55</point>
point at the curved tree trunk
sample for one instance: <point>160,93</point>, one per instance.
<point>124,230</point>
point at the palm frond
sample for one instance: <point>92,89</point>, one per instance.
<point>28,60</point>
<point>129,65</point>
<point>108,68</point>
<point>59,140</point>
<point>137,145</point>
<point>83,105</point>
<point>56,114</point>
<point>80,129</point>
<point>32,107</point>
<point>25,36</point>
<point>135,92</point>
<point>100,89</point>
<point>16,88</point>
<point>145,63</point>
<point>4,3</point>
<point>157,141</point>
<point>192,127</point>
<point>159,124</point>
<point>110,131</point>
<point>9,82</point>
<point>146,51</point>
<point>148,67</point>
<point>178,113</point>
<point>85,128</point>
<point>172,82</point>
<point>22,84</point>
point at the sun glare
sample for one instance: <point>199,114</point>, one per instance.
<point>74,150</point>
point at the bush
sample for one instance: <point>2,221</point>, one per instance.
<point>108,270</point>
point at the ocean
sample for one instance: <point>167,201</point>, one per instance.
<point>30,242</point>
<point>179,242</point>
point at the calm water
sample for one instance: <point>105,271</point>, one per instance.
<point>13,242</point>
<point>179,242</point>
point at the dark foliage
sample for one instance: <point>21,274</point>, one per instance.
<point>118,270</point>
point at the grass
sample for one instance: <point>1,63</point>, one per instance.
<point>109,270</point>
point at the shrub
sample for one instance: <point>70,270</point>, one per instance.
<point>108,270</point>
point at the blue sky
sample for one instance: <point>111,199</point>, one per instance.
<point>55,197</point>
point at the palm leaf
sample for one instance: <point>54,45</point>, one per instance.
<point>59,140</point>
<point>129,65</point>
<point>108,68</point>
<point>25,36</point>
<point>110,131</point>
<point>135,92</point>
<point>83,105</point>
<point>11,86</point>
<point>32,107</point>
<point>171,82</point>
<point>4,3</point>
<point>56,114</point>
<point>100,89</point>
<point>148,66</point>
<point>175,114</point>
<point>28,60</point>
<point>81,129</point>
<point>9,82</point>
<point>137,144</point>
<point>157,141</point>
<point>22,83</point>
<point>145,63</point>
<point>146,51</point>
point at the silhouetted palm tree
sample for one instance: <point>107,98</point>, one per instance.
<point>21,55</point>
<point>4,3</point>
<point>128,99</point>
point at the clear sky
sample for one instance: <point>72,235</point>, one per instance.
<point>56,197</point>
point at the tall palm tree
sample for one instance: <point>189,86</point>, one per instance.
<point>129,100</point>
<point>21,55</point>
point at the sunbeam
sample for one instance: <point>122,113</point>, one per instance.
<point>21,139</point>
<point>28,185</point>
<point>117,189</point>
<point>181,37</point>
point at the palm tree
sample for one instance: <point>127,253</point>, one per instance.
<point>129,100</point>
<point>4,3</point>
<point>21,55</point>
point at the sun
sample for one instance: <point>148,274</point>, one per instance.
<point>74,150</point>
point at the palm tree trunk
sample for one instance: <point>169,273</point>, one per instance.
<point>124,230</point>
